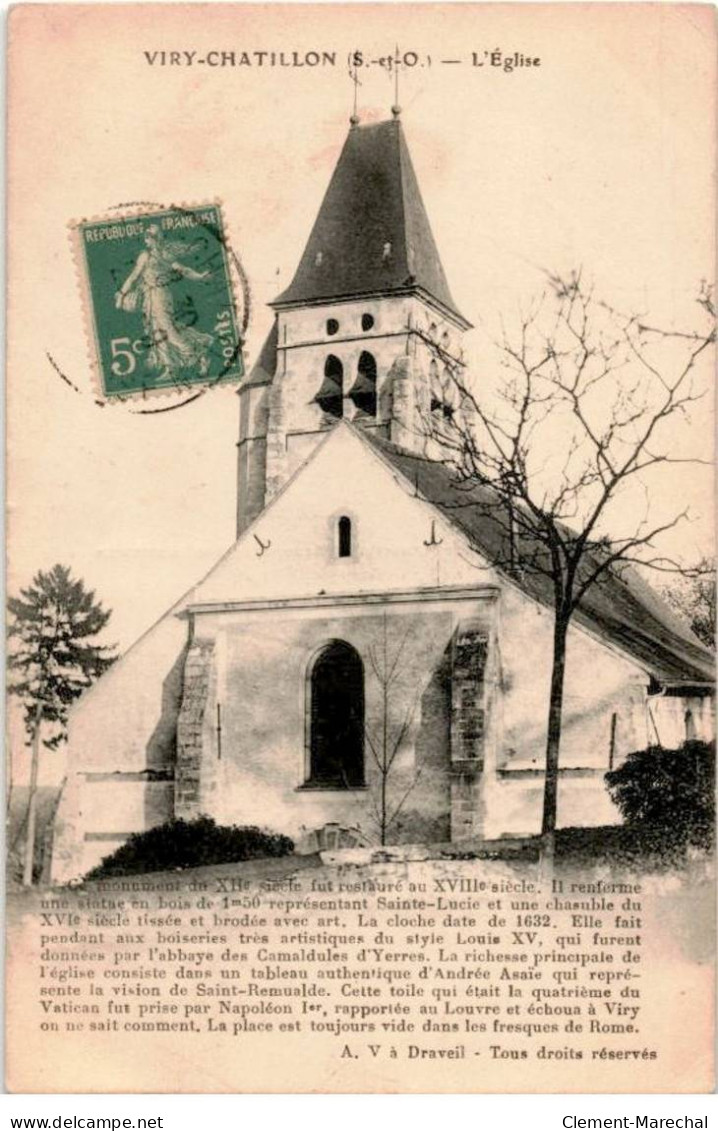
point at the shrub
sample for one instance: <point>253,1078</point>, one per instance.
<point>671,790</point>
<point>190,844</point>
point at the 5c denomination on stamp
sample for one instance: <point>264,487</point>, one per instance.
<point>158,285</point>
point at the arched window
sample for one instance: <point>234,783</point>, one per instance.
<point>329,397</point>
<point>345,537</point>
<point>332,326</point>
<point>363,392</point>
<point>336,718</point>
<point>436,392</point>
<point>439,398</point>
<point>367,321</point>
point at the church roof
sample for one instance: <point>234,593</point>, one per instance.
<point>372,235</point>
<point>625,611</point>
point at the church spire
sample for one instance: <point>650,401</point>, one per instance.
<point>372,236</point>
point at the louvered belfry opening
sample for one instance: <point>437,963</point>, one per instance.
<point>331,394</point>
<point>363,392</point>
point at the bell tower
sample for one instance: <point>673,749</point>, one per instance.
<point>367,330</point>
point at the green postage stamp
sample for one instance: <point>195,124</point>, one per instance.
<point>159,290</point>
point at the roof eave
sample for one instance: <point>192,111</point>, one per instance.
<point>280,303</point>
<point>254,384</point>
<point>671,681</point>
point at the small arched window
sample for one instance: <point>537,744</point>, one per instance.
<point>344,530</point>
<point>336,718</point>
<point>438,402</point>
<point>332,327</point>
<point>367,321</point>
<point>330,396</point>
<point>363,392</point>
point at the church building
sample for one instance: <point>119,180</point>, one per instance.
<point>357,669</point>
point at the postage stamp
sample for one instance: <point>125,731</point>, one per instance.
<point>162,309</point>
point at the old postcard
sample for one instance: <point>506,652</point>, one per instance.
<point>361,600</point>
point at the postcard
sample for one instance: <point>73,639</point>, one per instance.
<point>361,519</point>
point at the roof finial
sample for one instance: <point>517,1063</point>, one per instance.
<point>354,76</point>
<point>396,108</point>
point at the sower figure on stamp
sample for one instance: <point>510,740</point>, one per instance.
<point>173,346</point>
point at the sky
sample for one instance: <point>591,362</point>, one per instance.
<point>601,157</point>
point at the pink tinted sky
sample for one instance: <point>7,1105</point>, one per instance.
<point>601,157</point>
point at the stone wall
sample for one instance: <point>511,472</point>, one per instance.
<point>99,812</point>
<point>195,773</point>
<point>122,736</point>
<point>263,688</point>
<point>267,612</point>
<point>470,653</point>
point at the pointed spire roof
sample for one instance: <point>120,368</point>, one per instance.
<point>372,235</point>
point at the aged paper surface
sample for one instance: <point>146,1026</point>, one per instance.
<point>361,670</point>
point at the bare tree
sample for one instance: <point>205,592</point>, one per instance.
<point>388,735</point>
<point>694,598</point>
<point>556,459</point>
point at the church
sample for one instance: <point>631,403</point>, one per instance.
<point>357,669</point>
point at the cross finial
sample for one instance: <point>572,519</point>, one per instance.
<point>396,108</point>
<point>354,76</point>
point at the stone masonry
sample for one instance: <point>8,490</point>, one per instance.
<point>193,773</point>
<point>468,728</point>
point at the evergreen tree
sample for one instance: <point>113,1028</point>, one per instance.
<point>53,657</point>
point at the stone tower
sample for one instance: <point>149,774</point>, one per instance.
<point>366,331</point>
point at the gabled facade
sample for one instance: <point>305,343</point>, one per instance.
<point>355,667</point>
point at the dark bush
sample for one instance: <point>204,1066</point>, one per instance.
<point>189,844</point>
<point>639,848</point>
<point>669,790</point>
